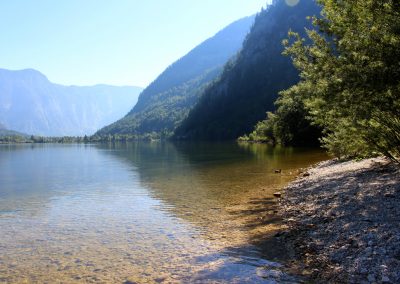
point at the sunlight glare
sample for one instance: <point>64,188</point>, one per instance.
<point>292,3</point>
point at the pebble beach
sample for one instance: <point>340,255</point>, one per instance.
<point>342,220</point>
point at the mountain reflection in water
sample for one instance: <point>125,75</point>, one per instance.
<point>143,212</point>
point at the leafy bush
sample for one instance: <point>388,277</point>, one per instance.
<point>350,79</point>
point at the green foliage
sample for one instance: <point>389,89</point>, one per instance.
<point>85,139</point>
<point>167,101</point>
<point>249,84</point>
<point>288,126</point>
<point>291,124</point>
<point>164,111</point>
<point>12,139</point>
<point>263,131</point>
<point>350,79</point>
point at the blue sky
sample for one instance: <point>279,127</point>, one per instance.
<point>119,42</point>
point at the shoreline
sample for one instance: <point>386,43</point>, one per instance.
<point>342,222</point>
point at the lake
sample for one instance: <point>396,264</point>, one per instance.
<point>147,212</point>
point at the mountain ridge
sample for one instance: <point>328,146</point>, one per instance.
<point>168,99</point>
<point>249,86</point>
<point>30,103</point>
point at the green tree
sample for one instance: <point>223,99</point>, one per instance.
<point>350,76</point>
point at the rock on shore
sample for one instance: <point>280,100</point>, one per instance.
<point>343,221</point>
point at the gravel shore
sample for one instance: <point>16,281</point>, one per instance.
<point>342,219</point>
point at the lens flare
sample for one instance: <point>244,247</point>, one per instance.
<point>292,3</point>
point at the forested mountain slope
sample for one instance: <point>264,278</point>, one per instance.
<point>30,103</point>
<point>167,100</point>
<point>249,86</point>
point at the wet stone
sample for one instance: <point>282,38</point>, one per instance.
<point>278,194</point>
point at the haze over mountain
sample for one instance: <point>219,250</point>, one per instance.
<point>167,101</point>
<point>249,85</point>
<point>31,104</point>
<point>6,132</point>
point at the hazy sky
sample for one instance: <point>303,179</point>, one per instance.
<point>120,42</point>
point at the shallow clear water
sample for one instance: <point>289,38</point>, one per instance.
<point>142,212</point>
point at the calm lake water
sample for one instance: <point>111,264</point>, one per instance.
<point>142,212</point>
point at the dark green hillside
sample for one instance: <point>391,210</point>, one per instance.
<point>167,101</point>
<point>249,86</point>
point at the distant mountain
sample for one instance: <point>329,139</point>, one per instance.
<point>167,101</point>
<point>30,103</point>
<point>6,132</point>
<point>249,86</point>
